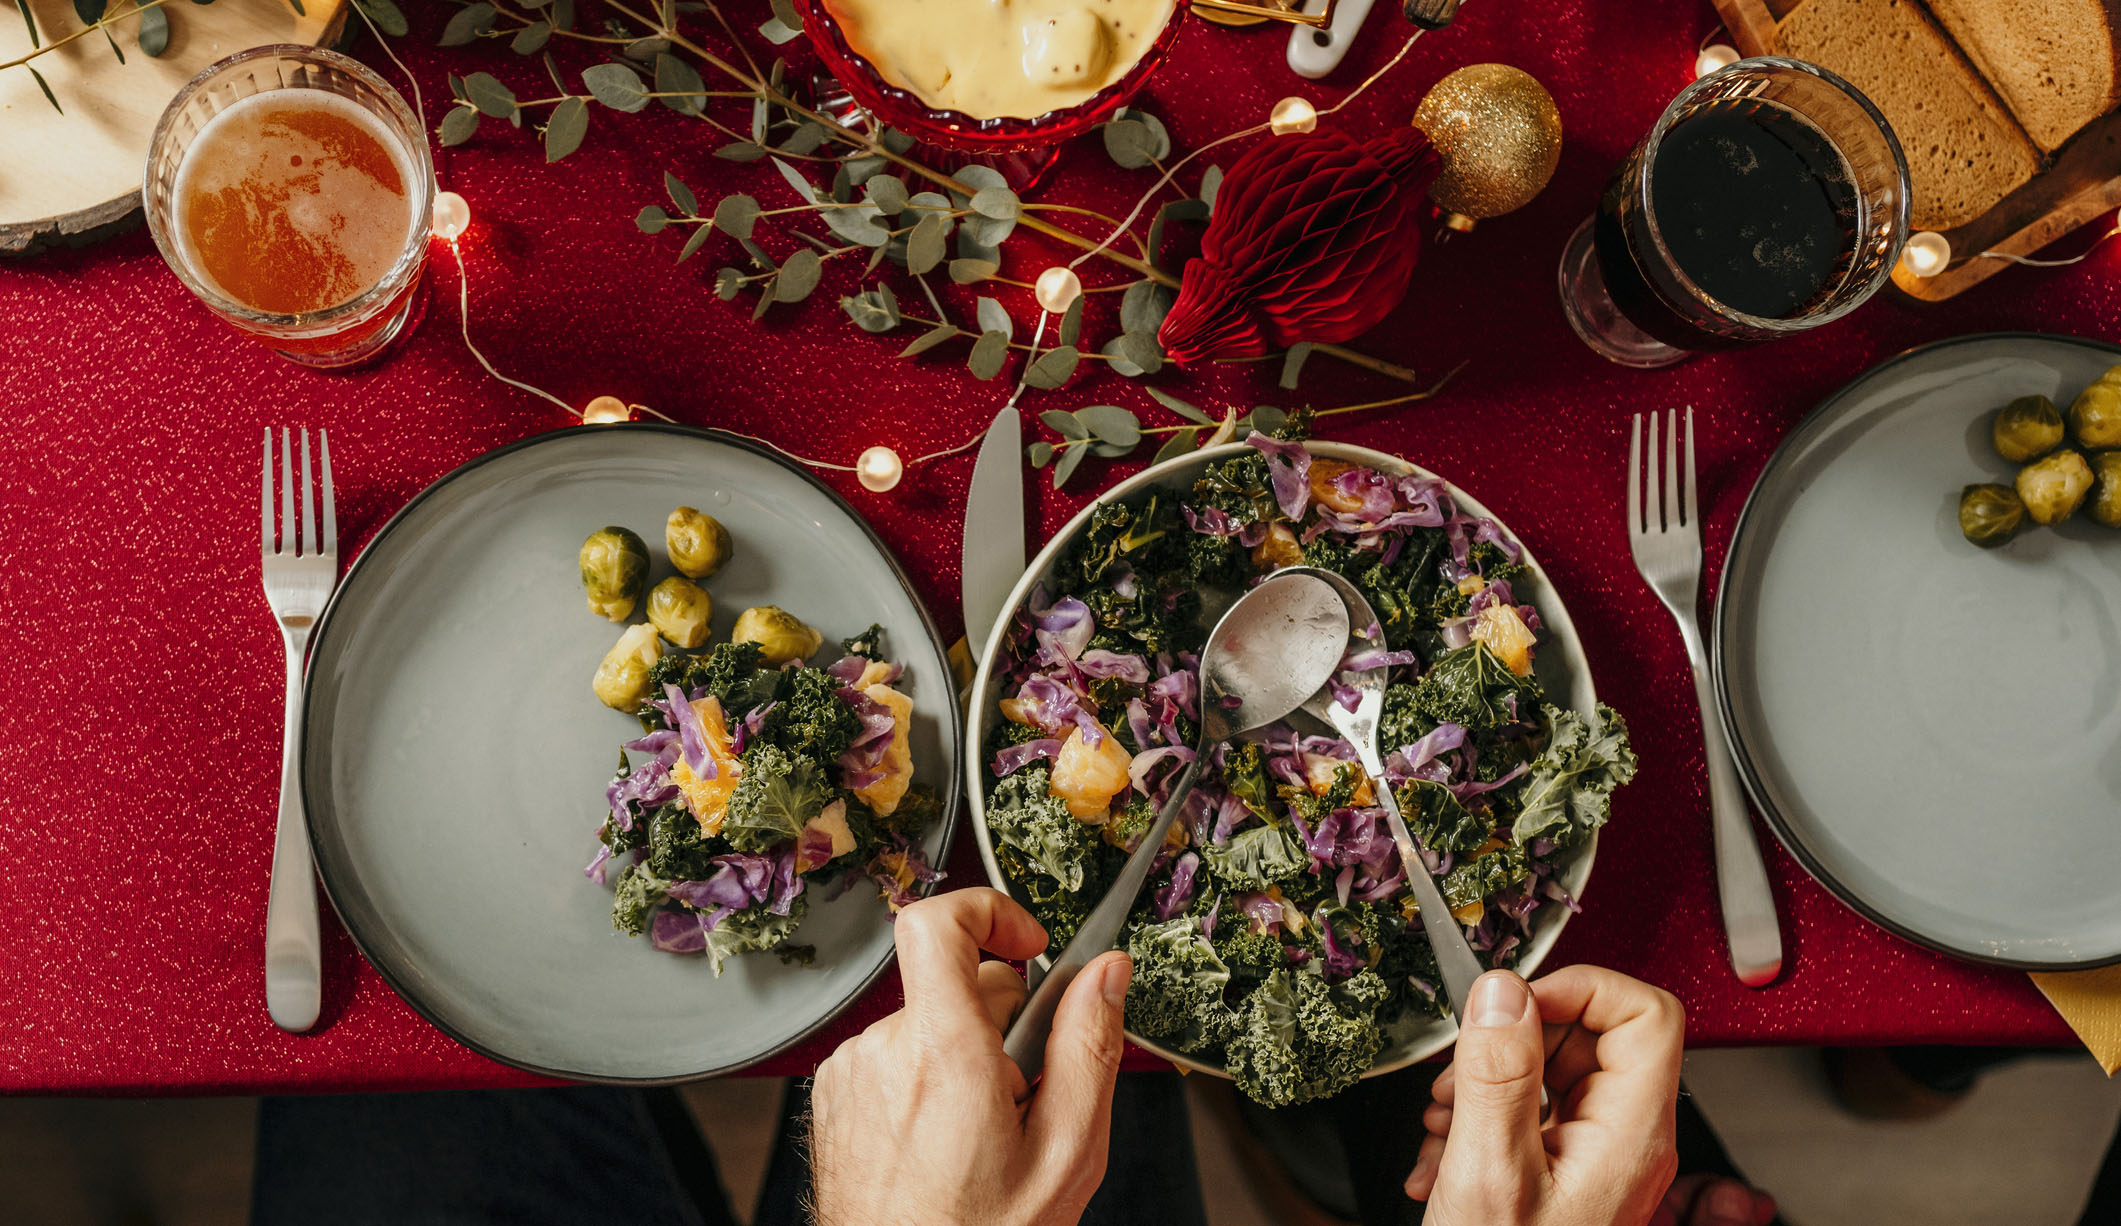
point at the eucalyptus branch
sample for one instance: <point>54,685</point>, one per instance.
<point>101,23</point>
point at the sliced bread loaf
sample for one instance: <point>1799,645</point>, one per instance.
<point>2054,61</point>
<point>1963,151</point>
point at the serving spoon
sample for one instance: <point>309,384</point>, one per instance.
<point>1275,647</point>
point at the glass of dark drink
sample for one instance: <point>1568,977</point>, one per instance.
<point>1770,198</point>
<point>290,189</point>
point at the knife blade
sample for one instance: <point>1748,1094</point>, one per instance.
<point>994,527</point>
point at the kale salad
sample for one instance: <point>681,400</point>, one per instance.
<point>763,778</point>
<point>1277,935</point>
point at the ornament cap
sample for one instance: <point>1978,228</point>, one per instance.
<point>1459,222</point>
<point>1432,14</point>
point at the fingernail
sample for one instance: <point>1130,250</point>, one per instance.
<point>1114,984</point>
<point>1730,1205</point>
<point>1499,999</point>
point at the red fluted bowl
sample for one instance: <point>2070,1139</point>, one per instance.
<point>904,110</point>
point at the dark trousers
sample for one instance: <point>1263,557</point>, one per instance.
<point>588,1156</point>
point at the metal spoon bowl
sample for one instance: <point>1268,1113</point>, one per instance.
<point>1274,648</point>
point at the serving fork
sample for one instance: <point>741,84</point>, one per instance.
<point>301,567</point>
<point>1664,532</point>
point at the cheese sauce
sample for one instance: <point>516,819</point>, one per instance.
<point>1002,58</point>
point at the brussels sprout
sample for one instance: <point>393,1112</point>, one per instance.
<point>698,543</point>
<point>614,565</point>
<point>2055,487</point>
<point>2027,428</point>
<point>2095,416</point>
<point>1989,515</point>
<point>2105,505</point>
<point>781,635</point>
<point>679,609</point>
<point>621,682</point>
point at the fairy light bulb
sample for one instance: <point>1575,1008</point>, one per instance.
<point>1292,115</point>
<point>605,410</point>
<point>879,469</point>
<point>1926,254</point>
<point>452,216</point>
<point>1714,58</point>
<point>1057,288</point>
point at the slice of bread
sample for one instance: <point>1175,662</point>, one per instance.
<point>2054,61</point>
<point>1963,151</point>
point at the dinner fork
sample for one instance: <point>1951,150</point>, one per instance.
<point>1664,531</point>
<point>301,568</point>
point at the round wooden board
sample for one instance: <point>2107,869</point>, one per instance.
<point>73,177</point>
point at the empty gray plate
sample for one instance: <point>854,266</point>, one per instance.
<point>454,759</point>
<point>1934,730</point>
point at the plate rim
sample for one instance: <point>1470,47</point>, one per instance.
<point>1585,857</point>
<point>1720,649</point>
<point>952,736</point>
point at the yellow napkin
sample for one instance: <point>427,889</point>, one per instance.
<point>2090,1001</point>
<point>962,663</point>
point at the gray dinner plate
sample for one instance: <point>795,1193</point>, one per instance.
<point>1934,730</point>
<point>454,758</point>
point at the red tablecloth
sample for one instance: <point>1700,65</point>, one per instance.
<point>140,710</point>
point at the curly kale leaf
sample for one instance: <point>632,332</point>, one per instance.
<point>1250,955</point>
<point>638,895</point>
<point>678,849</point>
<point>869,644</point>
<point>1245,775</point>
<point>1404,590</point>
<point>1471,881</point>
<point>1301,1039</point>
<point>732,672</point>
<point>1315,807</point>
<point>1049,849</point>
<point>1176,995</point>
<point>777,793</point>
<point>1472,687</point>
<point>1240,488</point>
<point>744,932</point>
<point>809,718</point>
<point>1256,858</point>
<point>1148,539</point>
<point>1570,788</point>
<point>1438,819</point>
<point>1217,561</point>
<point>1404,956</point>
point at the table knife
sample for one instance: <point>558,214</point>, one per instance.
<point>994,528</point>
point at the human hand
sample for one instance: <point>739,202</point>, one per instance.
<point>922,1119</point>
<point>1607,1048</point>
<point>1713,1200</point>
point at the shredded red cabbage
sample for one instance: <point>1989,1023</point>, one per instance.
<point>1178,895</point>
<point>691,734</point>
<point>1016,757</point>
<point>1097,662</point>
<point>1288,471</point>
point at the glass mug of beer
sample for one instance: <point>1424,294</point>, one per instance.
<point>290,189</point>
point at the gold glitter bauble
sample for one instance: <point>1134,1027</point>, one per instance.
<point>1499,136</point>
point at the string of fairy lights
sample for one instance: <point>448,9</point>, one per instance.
<point>1927,253</point>
<point>879,467</point>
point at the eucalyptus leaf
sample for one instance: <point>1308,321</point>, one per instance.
<point>642,50</point>
<point>758,309</point>
<point>89,11</point>
<point>736,215</point>
<point>969,246</point>
<point>700,235</point>
<point>1110,451</point>
<point>566,128</point>
<point>928,340</point>
<point>1143,307</point>
<point>998,203</point>
<point>1176,210</point>
<point>805,140</point>
<point>1066,468</point>
<point>459,124</point>
<point>1065,424</point>
<point>871,312</point>
<point>990,232</point>
<point>532,38</point>
<point>36,40</point>
<point>1292,364</point>
<point>740,151</point>
<point>1116,351</point>
<point>761,115</point>
<point>784,11</point>
<point>988,354</point>
<point>803,187</point>
<point>651,219</point>
<point>486,92</point>
<point>1127,143</point>
<point>1180,407</point>
<point>1183,442</point>
<point>1210,184</point>
<point>924,247</point>
<point>681,195</point>
<point>993,318</point>
<point>857,224</point>
<point>888,194</point>
<point>799,276</point>
<point>115,49</point>
<point>897,141</point>
<point>675,76</point>
<point>43,84</point>
<point>930,202</point>
<point>616,86</point>
<point>979,178</point>
<point>727,281</point>
<point>468,23</point>
<point>385,13</point>
<point>1111,424</point>
<point>1053,367</point>
<point>563,14</point>
<point>1266,419</point>
<point>154,32</point>
<point>1071,324</point>
<point>778,32</point>
<point>1159,138</point>
<point>860,170</point>
<point>757,253</point>
<point>1142,350</point>
<point>1040,453</point>
<point>965,272</point>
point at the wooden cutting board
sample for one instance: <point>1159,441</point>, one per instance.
<point>73,177</point>
<point>2079,183</point>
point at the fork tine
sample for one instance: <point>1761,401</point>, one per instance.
<point>287,495</point>
<point>331,510</point>
<point>1693,512</point>
<point>1671,471</point>
<point>308,494</point>
<point>1652,505</point>
<point>1634,478</point>
<point>265,494</point>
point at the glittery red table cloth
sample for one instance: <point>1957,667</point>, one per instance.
<point>140,715</point>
